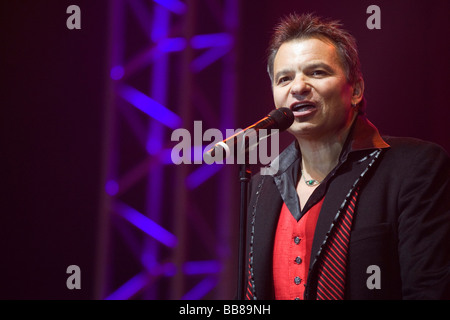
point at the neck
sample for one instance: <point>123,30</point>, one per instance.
<point>320,156</point>
<point>318,159</point>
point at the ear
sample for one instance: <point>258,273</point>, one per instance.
<point>358,91</point>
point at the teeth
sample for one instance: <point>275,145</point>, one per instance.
<point>302,107</point>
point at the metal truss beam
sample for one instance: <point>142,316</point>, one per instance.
<point>171,62</point>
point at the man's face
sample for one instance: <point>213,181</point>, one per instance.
<point>310,80</point>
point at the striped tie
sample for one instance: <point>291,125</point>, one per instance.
<point>249,289</point>
<point>332,268</point>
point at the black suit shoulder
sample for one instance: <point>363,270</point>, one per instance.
<point>416,156</point>
<point>411,146</point>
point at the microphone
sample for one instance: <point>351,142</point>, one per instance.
<point>279,119</point>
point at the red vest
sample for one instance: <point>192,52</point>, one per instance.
<point>292,252</point>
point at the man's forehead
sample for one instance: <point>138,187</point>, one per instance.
<point>307,51</point>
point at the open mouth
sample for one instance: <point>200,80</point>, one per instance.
<point>303,108</point>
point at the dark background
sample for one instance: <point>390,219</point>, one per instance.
<point>53,101</point>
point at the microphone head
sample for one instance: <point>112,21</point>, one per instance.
<point>283,117</point>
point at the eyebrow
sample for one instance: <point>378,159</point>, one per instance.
<point>319,65</point>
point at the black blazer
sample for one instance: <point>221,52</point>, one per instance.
<point>401,222</point>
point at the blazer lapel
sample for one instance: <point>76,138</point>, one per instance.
<point>268,207</point>
<point>342,183</point>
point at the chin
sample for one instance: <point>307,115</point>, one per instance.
<point>301,129</point>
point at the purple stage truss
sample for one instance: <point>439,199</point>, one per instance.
<point>164,228</point>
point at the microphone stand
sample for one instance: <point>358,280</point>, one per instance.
<point>244,178</point>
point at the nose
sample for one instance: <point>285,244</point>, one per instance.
<point>300,87</point>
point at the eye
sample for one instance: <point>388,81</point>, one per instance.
<point>318,73</point>
<point>283,79</point>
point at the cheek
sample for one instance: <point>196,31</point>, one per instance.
<point>279,98</point>
<point>346,93</point>
<point>336,92</point>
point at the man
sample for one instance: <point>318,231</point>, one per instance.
<point>349,214</point>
